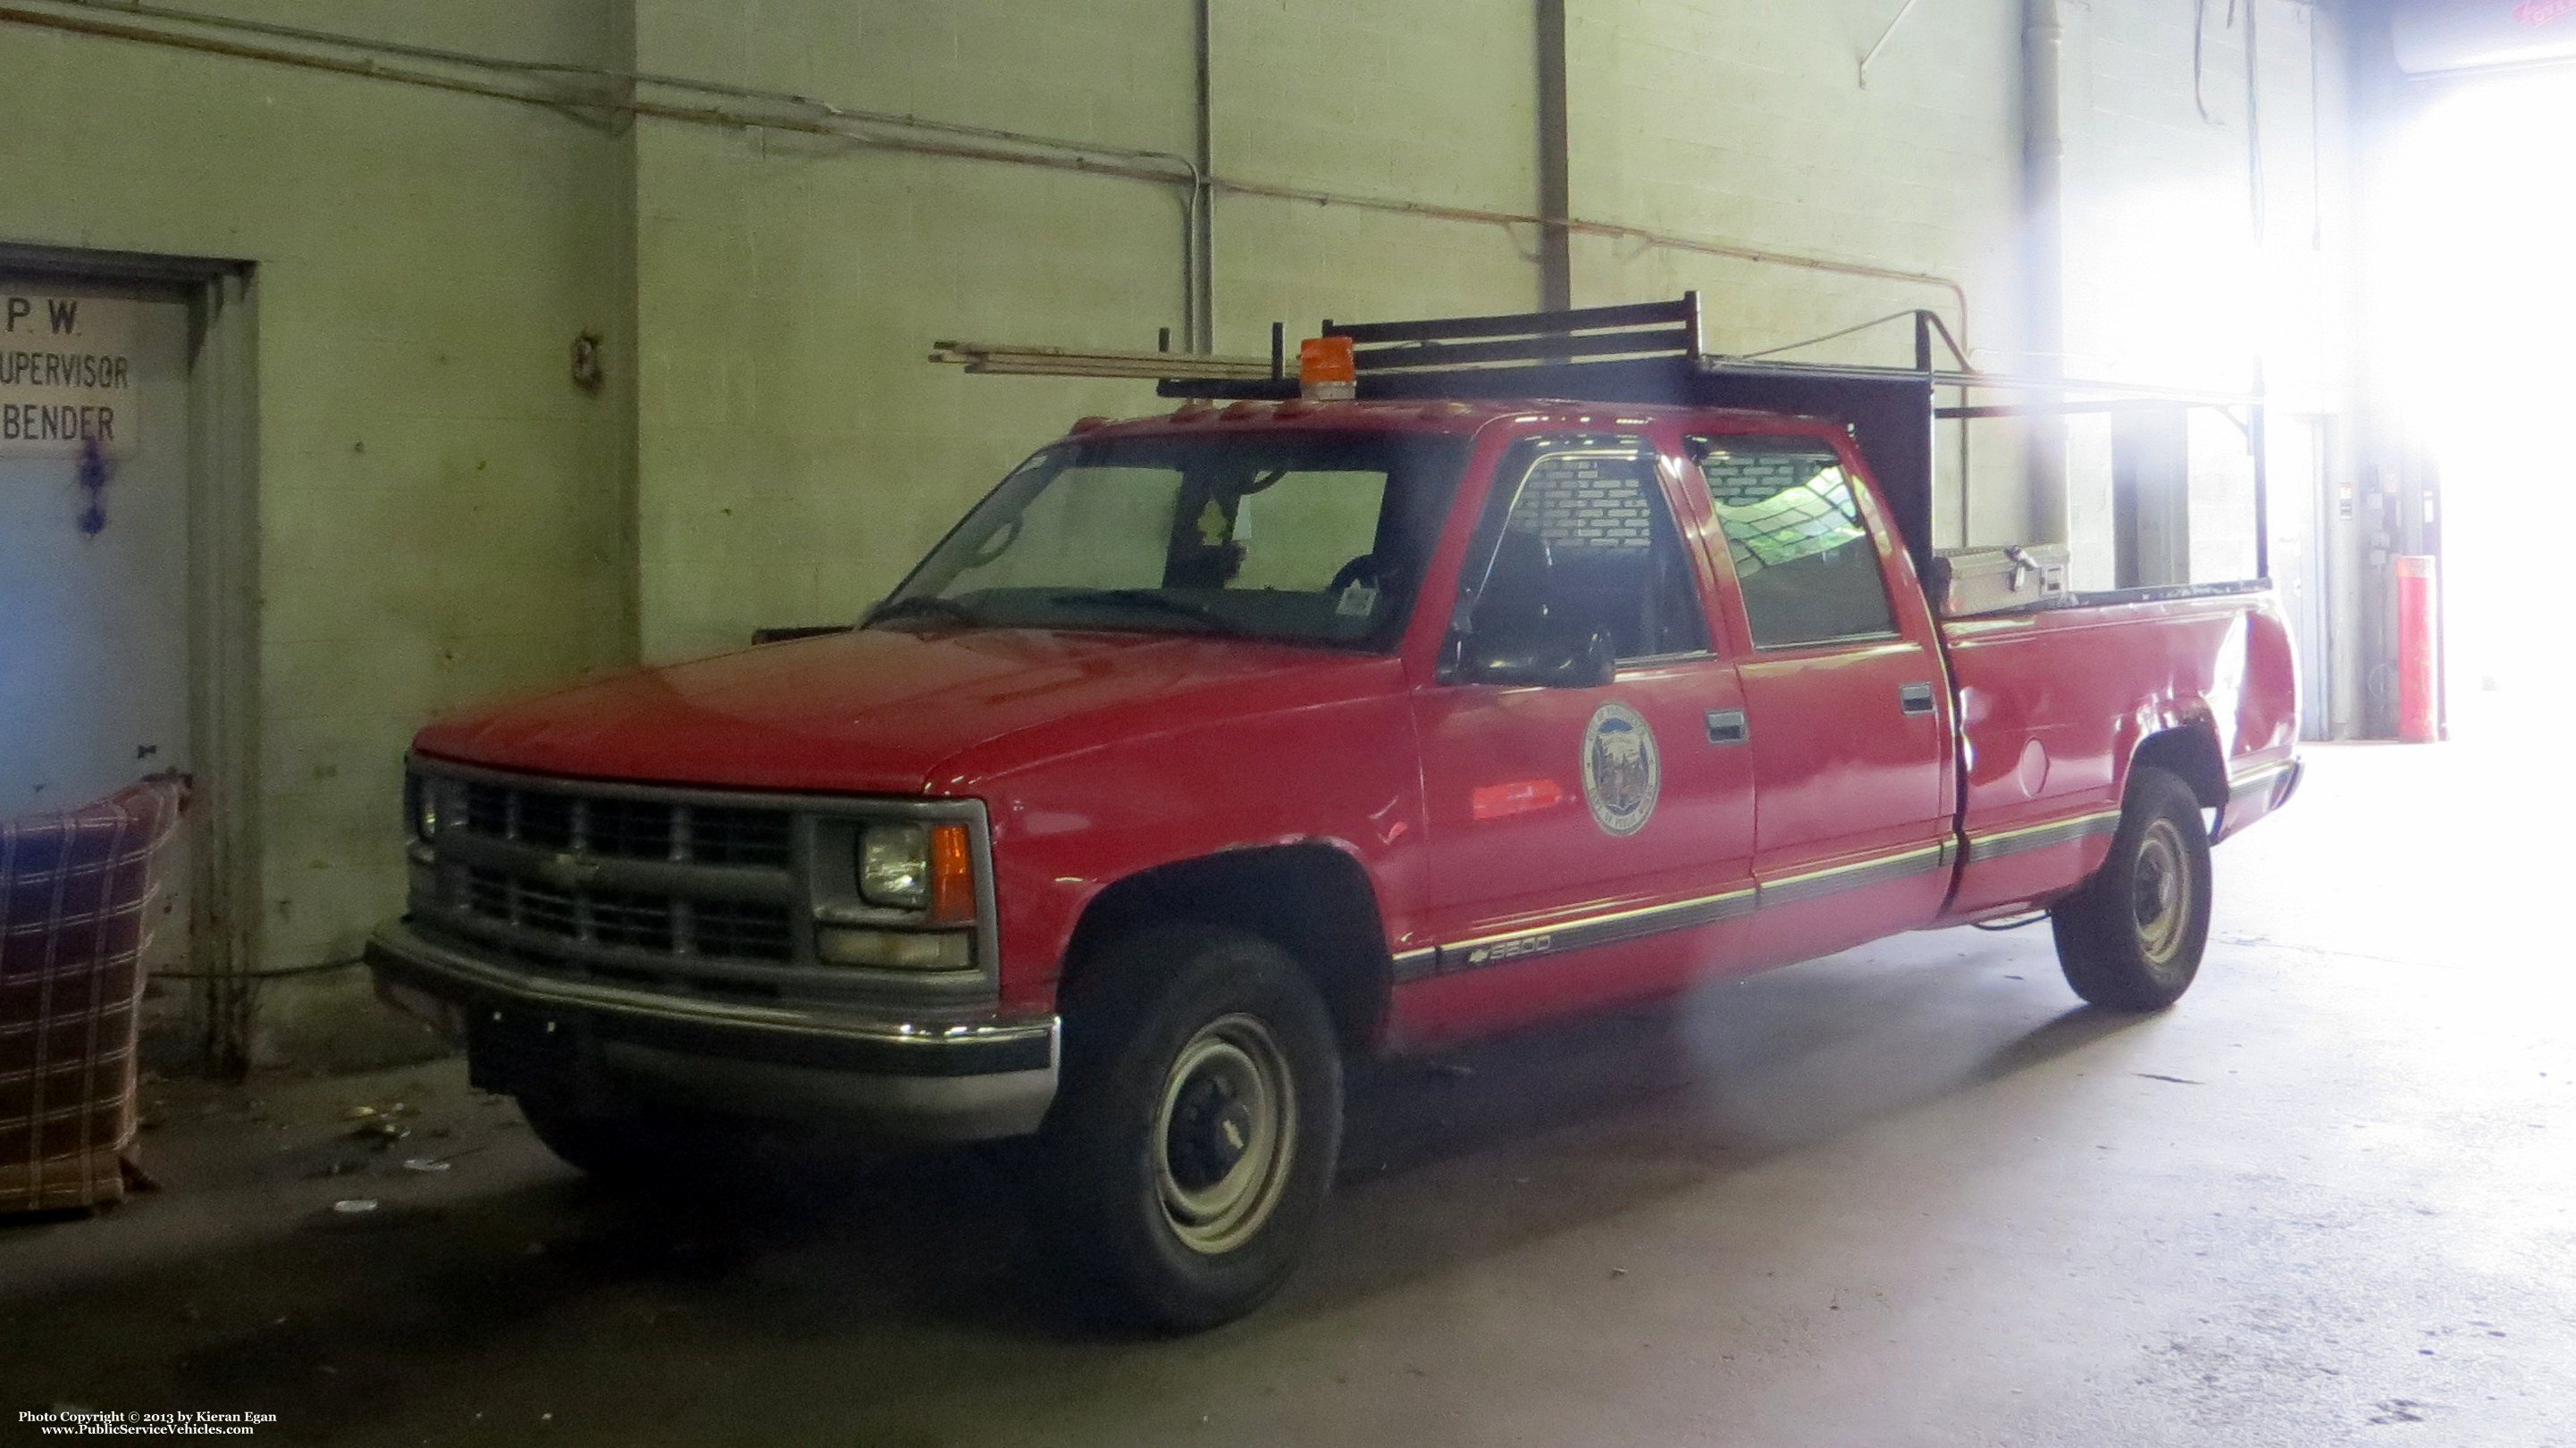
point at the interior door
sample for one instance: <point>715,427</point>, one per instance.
<point>1845,698</point>
<point>1587,844</point>
<point>94,554</point>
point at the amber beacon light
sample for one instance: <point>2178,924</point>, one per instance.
<point>1325,370</point>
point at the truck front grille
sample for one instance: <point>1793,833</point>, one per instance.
<point>627,828</point>
<point>634,920</point>
<point>612,882</point>
<point>710,893</point>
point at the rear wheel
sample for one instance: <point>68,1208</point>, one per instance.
<point>1193,1137</point>
<point>2130,938</point>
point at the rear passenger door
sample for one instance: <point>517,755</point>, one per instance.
<point>1845,699</point>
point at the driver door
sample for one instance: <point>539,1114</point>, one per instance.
<point>1587,844</point>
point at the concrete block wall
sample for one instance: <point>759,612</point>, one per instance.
<point>796,451</point>
<point>441,511</point>
<point>446,518</point>
<point>820,275</point>
<point>1431,104</point>
<point>1750,123</point>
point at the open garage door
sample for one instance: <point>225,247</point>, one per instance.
<point>2479,309</point>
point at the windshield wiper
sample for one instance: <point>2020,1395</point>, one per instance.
<point>921,605</point>
<point>1158,601</point>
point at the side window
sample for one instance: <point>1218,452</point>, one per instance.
<point>1589,544</point>
<point>1803,557</point>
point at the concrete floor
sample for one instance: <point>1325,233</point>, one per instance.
<point>1911,1195</point>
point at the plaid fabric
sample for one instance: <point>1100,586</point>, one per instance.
<point>76,887</point>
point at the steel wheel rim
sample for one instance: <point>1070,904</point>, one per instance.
<point>1225,1135</point>
<point>2160,898</point>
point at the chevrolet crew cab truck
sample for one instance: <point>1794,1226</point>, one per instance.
<point>1215,748</point>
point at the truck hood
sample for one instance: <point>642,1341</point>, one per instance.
<point>896,712</point>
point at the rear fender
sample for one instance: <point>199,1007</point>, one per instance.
<point>2189,751</point>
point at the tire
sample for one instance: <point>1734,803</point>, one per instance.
<point>1195,1127</point>
<point>2130,938</point>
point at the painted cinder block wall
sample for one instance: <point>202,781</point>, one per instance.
<point>1751,123</point>
<point>796,451</point>
<point>441,514</point>
<point>446,518</point>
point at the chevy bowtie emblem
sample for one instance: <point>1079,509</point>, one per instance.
<point>569,872</point>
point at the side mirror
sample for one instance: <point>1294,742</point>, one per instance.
<point>1551,655</point>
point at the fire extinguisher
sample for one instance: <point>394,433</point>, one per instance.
<point>2419,650</point>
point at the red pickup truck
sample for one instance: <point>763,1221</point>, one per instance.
<point>1215,747</point>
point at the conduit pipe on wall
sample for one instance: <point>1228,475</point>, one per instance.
<point>2257,438</point>
<point>1871,57</point>
<point>475,61</point>
<point>818,118</point>
<point>1555,165</point>
<point>1666,240</point>
<point>2043,250</point>
<point>1201,315</point>
<point>872,130</point>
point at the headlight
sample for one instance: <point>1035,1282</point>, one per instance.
<point>894,866</point>
<point>918,867</point>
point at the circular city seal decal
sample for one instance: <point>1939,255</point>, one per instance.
<point>1620,772</point>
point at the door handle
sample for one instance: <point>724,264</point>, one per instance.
<point>1914,698</point>
<point>1727,726</point>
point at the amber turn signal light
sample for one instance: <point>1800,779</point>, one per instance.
<point>952,876</point>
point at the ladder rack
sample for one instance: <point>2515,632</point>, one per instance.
<point>1651,353</point>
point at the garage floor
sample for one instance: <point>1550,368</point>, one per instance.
<point>1909,1195</point>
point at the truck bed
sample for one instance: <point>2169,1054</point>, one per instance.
<point>2052,709</point>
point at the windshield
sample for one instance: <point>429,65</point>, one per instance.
<point>1297,537</point>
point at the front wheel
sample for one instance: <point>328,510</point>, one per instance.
<point>2130,938</point>
<point>1194,1134</point>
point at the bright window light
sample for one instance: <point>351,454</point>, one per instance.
<point>2475,280</point>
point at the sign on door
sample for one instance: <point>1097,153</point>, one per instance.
<point>66,376</point>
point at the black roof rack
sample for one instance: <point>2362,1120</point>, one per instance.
<point>1660,329</point>
<point>1652,353</point>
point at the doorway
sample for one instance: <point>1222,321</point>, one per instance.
<point>95,674</point>
<point>127,592</point>
<point>2477,310</point>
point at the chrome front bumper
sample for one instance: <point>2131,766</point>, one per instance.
<point>931,1082</point>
